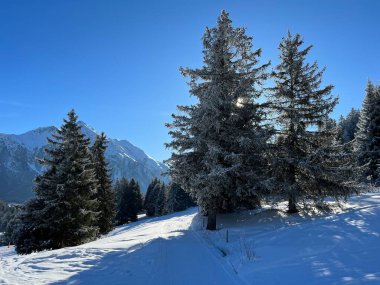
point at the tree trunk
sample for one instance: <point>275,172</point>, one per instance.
<point>292,207</point>
<point>211,220</point>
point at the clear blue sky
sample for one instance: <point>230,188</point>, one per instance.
<point>116,62</point>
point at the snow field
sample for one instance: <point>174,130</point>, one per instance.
<point>264,247</point>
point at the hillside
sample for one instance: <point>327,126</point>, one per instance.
<point>265,247</point>
<point>18,164</point>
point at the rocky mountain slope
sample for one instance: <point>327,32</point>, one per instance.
<point>18,164</point>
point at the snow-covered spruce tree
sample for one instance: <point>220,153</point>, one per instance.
<point>105,194</point>
<point>372,154</point>
<point>64,211</point>
<point>347,126</point>
<point>178,199</point>
<point>365,140</point>
<point>219,143</point>
<point>304,166</point>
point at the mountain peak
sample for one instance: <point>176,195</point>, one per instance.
<point>18,161</point>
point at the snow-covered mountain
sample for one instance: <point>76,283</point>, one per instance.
<point>18,164</point>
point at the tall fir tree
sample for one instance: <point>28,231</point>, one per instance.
<point>219,143</point>
<point>178,199</point>
<point>149,201</point>
<point>365,137</point>
<point>129,201</point>
<point>305,163</point>
<point>347,126</point>
<point>105,195</point>
<point>64,211</point>
<point>134,200</point>
<point>120,187</point>
<point>368,135</point>
<point>160,194</point>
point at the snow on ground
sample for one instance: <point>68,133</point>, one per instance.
<point>264,247</point>
<point>152,251</point>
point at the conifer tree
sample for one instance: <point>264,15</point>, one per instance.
<point>178,199</point>
<point>133,200</point>
<point>121,187</point>
<point>149,201</point>
<point>305,164</point>
<point>368,135</point>
<point>362,139</point>
<point>219,143</point>
<point>160,194</point>
<point>347,126</point>
<point>105,194</point>
<point>64,212</point>
<point>365,137</point>
<point>129,201</point>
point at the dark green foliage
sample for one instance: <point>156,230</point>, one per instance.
<point>155,199</point>
<point>129,201</point>
<point>347,126</point>
<point>105,195</point>
<point>178,199</point>
<point>8,214</point>
<point>160,193</point>
<point>306,164</point>
<point>149,201</point>
<point>368,135</point>
<point>64,212</point>
<point>219,143</point>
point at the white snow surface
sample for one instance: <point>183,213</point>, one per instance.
<point>264,247</point>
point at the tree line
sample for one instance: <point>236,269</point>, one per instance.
<point>75,200</point>
<point>243,142</point>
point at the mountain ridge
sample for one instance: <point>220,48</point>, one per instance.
<point>18,164</point>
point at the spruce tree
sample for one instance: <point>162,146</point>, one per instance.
<point>149,201</point>
<point>347,126</point>
<point>178,199</point>
<point>121,189</point>
<point>105,194</point>
<point>64,211</point>
<point>133,200</point>
<point>366,137</point>
<point>129,201</point>
<point>371,152</point>
<point>219,143</point>
<point>160,194</point>
<point>304,165</point>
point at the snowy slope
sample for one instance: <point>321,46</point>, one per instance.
<point>18,164</point>
<point>340,248</point>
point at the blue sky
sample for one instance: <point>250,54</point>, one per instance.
<point>116,62</point>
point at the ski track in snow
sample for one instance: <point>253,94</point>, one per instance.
<point>160,251</point>
<point>339,248</point>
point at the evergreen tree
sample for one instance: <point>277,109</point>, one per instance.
<point>149,200</point>
<point>64,210</point>
<point>121,187</point>
<point>129,201</point>
<point>105,194</point>
<point>133,200</point>
<point>366,137</point>
<point>219,143</point>
<point>347,126</point>
<point>160,195</point>
<point>178,199</point>
<point>306,163</point>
